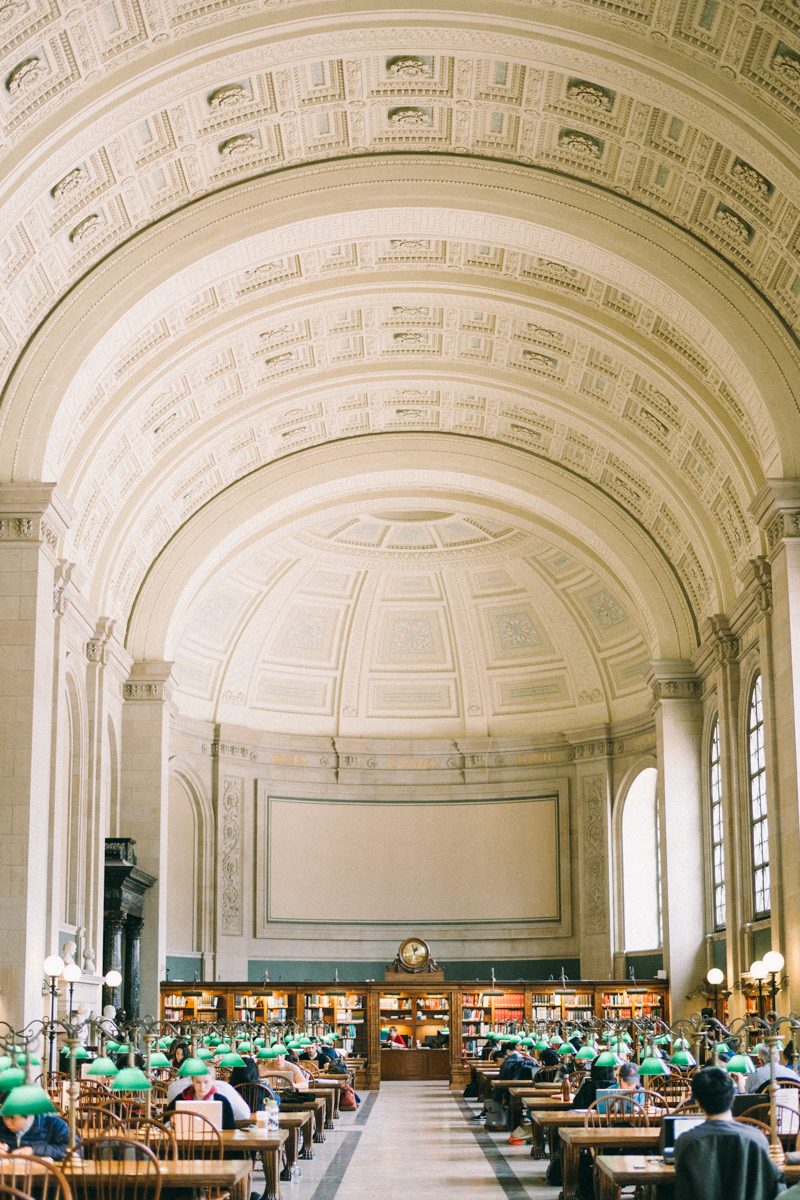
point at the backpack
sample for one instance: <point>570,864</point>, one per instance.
<point>495,1116</point>
<point>470,1091</point>
<point>347,1098</point>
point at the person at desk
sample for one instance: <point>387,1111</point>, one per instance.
<point>723,1159</point>
<point>46,1137</point>
<point>394,1041</point>
<point>599,1077</point>
<point>207,1087</point>
<point>759,1082</point>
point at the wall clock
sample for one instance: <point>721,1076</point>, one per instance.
<point>414,956</point>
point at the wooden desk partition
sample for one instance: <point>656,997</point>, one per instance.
<point>424,1007</point>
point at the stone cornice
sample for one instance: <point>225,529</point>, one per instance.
<point>149,681</point>
<point>34,513</point>
<point>776,510</point>
<point>673,679</point>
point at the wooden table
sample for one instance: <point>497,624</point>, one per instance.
<point>330,1083</point>
<point>227,1174</point>
<point>543,1120</point>
<point>318,1108</point>
<point>620,1170</point>
<point>485,1076</point>
<point>617,1137</point>
<point>267,1143</point>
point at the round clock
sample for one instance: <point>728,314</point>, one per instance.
<point>414,954</point>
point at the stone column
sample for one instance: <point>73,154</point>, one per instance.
<point>777,511</point>
<point>592,829</point>
<point>679,724</point>
<point>133,935</point>
<point>113,928</point>
<point>144,795</point>
<point>33,518</point>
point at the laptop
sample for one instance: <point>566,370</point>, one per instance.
<point>671,1129</point>
<point>187,1110</point>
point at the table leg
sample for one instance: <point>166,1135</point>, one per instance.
<point>570,1158</point>
<point>604,1186</point>
<point>306,1148</point>
<point>328,1110</point>
<point>270,1160</point>
<point>537,1141</point>
<point>319,1123</point>
<point>515,1108</point>
<point>241,1190</point>
<point>291,1155</point>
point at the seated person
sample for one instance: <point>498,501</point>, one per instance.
<point>207,1087</point>
<point>759,1082</point>
<point>44,1136</point>
<point>599,1077</point>
<point>629,1084</point>
<point>285,1064</point>
<point>394,1039</point>
<point>248,1074</point>
<point>723,1159</point>
<point>514,1062</point>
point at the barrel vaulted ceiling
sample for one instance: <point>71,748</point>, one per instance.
<point>280,279</point>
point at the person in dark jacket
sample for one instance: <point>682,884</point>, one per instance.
<point>44,1136</point>
<point>723,1159</point>
<point>599,1077</point>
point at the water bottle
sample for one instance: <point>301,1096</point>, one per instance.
<point>273,1116</point>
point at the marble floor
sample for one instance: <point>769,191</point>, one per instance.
<point>417,1141</point>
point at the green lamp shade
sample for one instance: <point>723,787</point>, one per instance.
<point>5,1062</point>
<point>37,1062</point>
<point>224,1049</point>
<point>555,1040</point>
<point>293,1045</point>
<point>304,1041</point>
<point>165,1042</point>
<point>542,1044</point>
<point>279,1047</point>
<point>513,1038</point>
<point>606,1059</point>
<point>112,1047</point>
<point>193,1066</point>
<point>103,1066</point>
<point>565,1049</point>
<point>653,1066</point>
<point>681,1044</point>
<point>740,1064</point>
<point>588,1052</point>
<point>259,1042</point>
<point>268,1052</point>
<point>131,1079</point>
<point>244,1046</point>
<point>229,1060</point>
<point>526,1041</point>
<point>444,1029</point>
<point>683,1058</point>
<point>27,1100</point>
<point>11,1078</point>
<point>122,1048</point>
<point>205,1053</point>
<point>214,1040</point>
<point>662,1040</point>
<point>159,1060</point>
<point>78,1052</point>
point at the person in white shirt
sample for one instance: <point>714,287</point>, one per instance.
<point>202,1084</point>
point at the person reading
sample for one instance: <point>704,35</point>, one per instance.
<point>206,1087</point>
<point>394,1039</point>
<point>46,1136</point>
<point>723,1159</point>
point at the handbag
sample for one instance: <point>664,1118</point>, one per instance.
<point>347,1098</point>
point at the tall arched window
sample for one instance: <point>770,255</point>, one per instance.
<point>717,846</point>
<point>641,863</point>
<point>758,801</point>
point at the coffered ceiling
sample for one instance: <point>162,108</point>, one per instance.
<point>261,261</point>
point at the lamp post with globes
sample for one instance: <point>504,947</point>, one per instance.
<point>774,962</point>
<point>53,970</point>
<point>71,974</point>
<point>759,972</point>
<point>715,978</point>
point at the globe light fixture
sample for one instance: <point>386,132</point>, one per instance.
<point>112,980</point>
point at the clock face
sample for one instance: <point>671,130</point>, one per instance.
<point>414,952</point>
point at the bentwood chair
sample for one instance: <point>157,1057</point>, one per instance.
<point>37,1176</point>
<point>765,1129</point>
<point>196,1137</point>
<point>788,1119</point>
<point>157,1136</point>
<point>113,1168</point>
<point>94,1120</point>
<point>615,1110</point>
<point>673,1088</point>
<point>255,1095</point>
<point>654,1104</point>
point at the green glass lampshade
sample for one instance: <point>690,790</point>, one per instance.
<point>230,1060</point>
<point>245,1046</point>
<point>131,1079</point>
<point>37,1062</point>
<point>259,1042</point>
<point>653,1066</point>
<point>293,1045</point>
<point>165,1042</point>
<point>159,1060</point>
<point>193,1066</point>
<point>681,1044</point>
<point>526,1041</point>
<point>444,1029</point>
<point>555,1040</point>
<point>6,1061</point>
<point>513,1038</point>
<point>12,1077</point>
<point>542,1044</point>
<point>112,1047</point>
<point>606,1059</point>
<point>740,1064</point>
<point>587,1052</point>
<point>205,1053</point>
<point>304,1041</point>
<point>78,1052</point>
<point>27,1100</point>
<point>103,1066</point>
<point>565,1049</point>
<point>663,1040</point>
<point>214,1040</point>
<point>683,1058</point>
<point>224,1049</point>
<point>268,1052</point>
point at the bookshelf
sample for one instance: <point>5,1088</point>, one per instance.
<point>484,1010</point>
<point>626,1004</point>
<point>193,1006</point>
<point>343,1011</point>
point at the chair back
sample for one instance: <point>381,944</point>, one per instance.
<point>654,1103</point>
<point>91,1091</point>
<point>279,1081</point>
<point>310,1067</point>
<point>545,1075</point>
<point>673,1088</point>
<point>615,1110</point>
<point>95,1119</point>
<point>37,1176</point>
<point>157,1136</point>
<point>255,1095</point>
<point>8,1192</point>
<point>113,1168</point>
<point>196,1137</point>
<point>788,1119</point>
<point>765,1129</point>
<point>687,1107</point>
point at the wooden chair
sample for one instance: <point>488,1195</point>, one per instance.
<point>788,1118</point>
<point>196,1137</point>
<point>7,1192</point>
<point>91,1091</point>
<point>765,1129</point>
<point>158,1097</point>
<point>38,1176</point>
<point>157,1136</point>
<point>673,1088</point>
<point>113,1168</point>
<point>310,1067</point>
<point>545,1075</point>
<point>279,1081</point>
<point>687,1108</point>
<point>616,1110</point>
<point>93,1120</point>
<point>255,1095</point>
<point>654,1103</point>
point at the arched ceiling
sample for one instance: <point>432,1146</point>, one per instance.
<point>538,262</point>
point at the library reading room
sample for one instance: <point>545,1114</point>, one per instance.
<point>400,599</point>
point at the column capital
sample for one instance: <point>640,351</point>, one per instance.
<point>776,510</point>
<point>34,512</point>
<point>673,679</point>
<point>150,681</point>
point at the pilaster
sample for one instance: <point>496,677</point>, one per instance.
<point>144,798</point>
<point>593,749</point>
<point>679,722</point>
<point>33,519</point>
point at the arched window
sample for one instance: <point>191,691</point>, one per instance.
<point>758,801</point>
<point>641,863</point>
<point>717,847</point>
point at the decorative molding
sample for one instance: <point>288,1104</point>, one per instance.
<point>725,643</point>
<point>762,576</point>
<point>604,748</point>
<point>231,846</point>
<point>786,525</point>
<point>673,680</point>
<point>594,900</point>
<point>226,750</point>
<point>149,681</point>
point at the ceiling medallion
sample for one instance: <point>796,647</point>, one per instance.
<point>410,66</point>
<point>243,143</point>
<point>67,186</point>
<point>86,229</point>
<point>25,75</point>
<point>229,96</point>
<point>413,118</point>
<point>580,143</point>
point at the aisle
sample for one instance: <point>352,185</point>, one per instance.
<point>417,1141</point>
